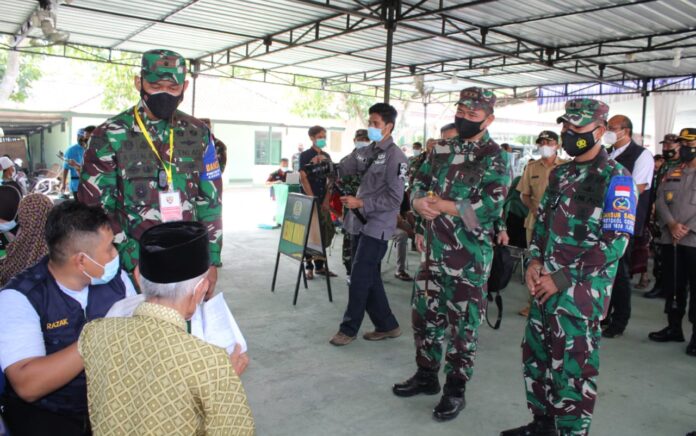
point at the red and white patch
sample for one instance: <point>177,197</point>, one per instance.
<point>622,191</point>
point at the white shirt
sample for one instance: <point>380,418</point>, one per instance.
<point>643,168</point>
<point>21,336</point>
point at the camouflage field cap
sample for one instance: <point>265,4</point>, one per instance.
<point>670,137</point>
<point>582,111</point>
<point>477,98</point>
<point>361,133</point>
<point>160,64</point>
<point>548,135</point>
<point>688,134</point>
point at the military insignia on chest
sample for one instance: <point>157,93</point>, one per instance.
<point>381,158</point>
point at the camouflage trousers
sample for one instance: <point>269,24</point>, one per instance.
<point>449,301</point>
<point>567,390</point>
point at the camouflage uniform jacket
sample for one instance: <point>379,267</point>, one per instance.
<point>569,239</point>
<point>476,176</point>
<point>414,164</point>
<point>120,173</point>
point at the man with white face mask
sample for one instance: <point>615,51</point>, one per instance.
<point>535,178</point>
<point>44,310</point>
<point>153,163</point>
<point>145,373</point>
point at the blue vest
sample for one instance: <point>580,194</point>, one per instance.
<point>62,319</point>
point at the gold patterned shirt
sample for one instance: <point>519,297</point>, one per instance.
<point>147,376</point>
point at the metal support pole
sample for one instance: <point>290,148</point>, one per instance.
<point>391,11</point>
<point>425,122</point>
<point>193,97</point>
<point>644,93</point>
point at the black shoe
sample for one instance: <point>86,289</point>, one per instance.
<point>612,331</point>
<point>452,401</point>
<point>668,334</point>
<point>655,292</point>
<point>541,426</point>
<point>691,348</point>
<point>424,381</point>
<point>605,323</point>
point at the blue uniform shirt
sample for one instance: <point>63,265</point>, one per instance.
<point>76,153</point>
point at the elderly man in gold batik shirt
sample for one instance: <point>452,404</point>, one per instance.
<point>145,374</point>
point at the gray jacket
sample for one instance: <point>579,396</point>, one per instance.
<point>676,201</point>
<point>381,188</point>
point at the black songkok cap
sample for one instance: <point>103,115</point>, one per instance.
<point>174,252</point>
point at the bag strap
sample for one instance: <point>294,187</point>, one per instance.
<point>499,304</point>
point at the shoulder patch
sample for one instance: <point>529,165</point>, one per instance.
<point>211,166</point>
<point>403,172</point>
<point>620,203</point>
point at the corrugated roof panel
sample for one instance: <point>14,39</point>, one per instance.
<point>143,47</point>
<point>253,17</point>
<point>344,65</point>
<point>201,40</point>
<point>16,11</point>
<point>141,8</point>
<point>663,68</point>
<point>98,24</point>
<point>293,55</point>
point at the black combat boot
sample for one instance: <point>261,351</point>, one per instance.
<point>541,426</point>
<point>424,381</point>
<point>672,333</point>
<point>691,348</point>
<point>452,401</point>
<point>656,292</point>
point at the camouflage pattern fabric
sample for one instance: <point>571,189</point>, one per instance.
<point>350,184</point>
<point>582,260</point>
<point>582,111</point>
<point>568,389</point>
<point>477,98</point>
<point>414,164</point>
<point>120,173</point>
<point>476,176</point>
<point>161,64</point>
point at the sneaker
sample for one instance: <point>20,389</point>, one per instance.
<point>378,336</point>
<point>340,339</point>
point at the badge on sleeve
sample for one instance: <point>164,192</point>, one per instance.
<point>403,172</point>
<point>211,166</point>
<point>620,205</point>
<point>170,206</point>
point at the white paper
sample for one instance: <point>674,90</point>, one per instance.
<point>212,322</point>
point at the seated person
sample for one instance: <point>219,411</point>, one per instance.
<point>29,246</point>
<point>278,176</point>
<point>142,367</point>
<point>43,311</point>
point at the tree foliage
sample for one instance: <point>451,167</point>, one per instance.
<point>17,72</point>
<point>117,81</point>
<point>335,104</point>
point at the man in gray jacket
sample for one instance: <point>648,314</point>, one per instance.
<point>676,210</point>
<point>383,168</point>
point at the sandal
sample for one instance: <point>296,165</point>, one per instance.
<point>324,272</point>
<point>309,274</point>
<point>403,275</point>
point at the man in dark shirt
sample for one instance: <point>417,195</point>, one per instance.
<point>278,176</point>
<point>315,185</point>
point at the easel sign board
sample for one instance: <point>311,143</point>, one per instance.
<point>296,225</point>
<point>300,235</point>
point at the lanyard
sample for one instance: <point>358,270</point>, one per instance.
<point>167,169</point>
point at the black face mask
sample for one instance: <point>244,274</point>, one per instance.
<point>687,154</point>
<point>163,104</point>
<point>576,144</point>
<point>467,129</point>
<point>669,154</point>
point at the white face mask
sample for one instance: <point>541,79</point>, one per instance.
<point>416,152</point>
<point>609,138</point>
<point>361,144</point>
<point>547,150</point>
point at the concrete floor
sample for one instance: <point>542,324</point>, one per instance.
<point>299,384</point>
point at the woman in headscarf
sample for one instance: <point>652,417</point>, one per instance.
<point>29,246</point>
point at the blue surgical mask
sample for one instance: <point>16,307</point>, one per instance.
<point>110,271</point>
<point>361,144</point>
<point>321,143</point>
<point>6,227</point>
<point>375,134</point>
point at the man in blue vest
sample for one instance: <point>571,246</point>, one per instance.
<point>43,311</point>
<point>73,160</point>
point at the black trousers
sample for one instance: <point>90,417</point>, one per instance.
<point>680,281</point>
<point>366,291</point>
<point>25,419</point>
<point>620,306</point>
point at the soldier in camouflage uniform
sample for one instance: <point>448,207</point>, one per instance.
<point>350,184</point>
<point>458,195</point>
<point>126,169</point>
<point>583,225</point>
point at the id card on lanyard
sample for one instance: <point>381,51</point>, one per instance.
<point>170,200</point>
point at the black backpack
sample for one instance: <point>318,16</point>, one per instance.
<point>501,273</point>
